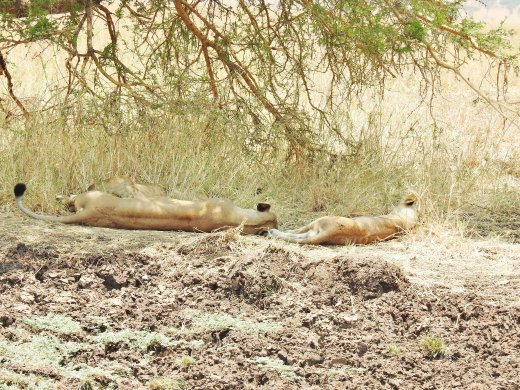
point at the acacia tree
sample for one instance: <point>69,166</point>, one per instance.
<point>255,57</point>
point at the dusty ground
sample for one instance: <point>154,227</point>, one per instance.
<point>101,308</point>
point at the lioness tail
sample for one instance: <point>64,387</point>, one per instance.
<point>19,190</point>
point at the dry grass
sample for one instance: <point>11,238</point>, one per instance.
<point>463,161</point>
<point>202,153</point>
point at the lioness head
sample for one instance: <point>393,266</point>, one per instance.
<point>262,222</point>
<point>407,210</point>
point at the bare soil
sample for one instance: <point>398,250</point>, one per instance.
<point>97,308</point>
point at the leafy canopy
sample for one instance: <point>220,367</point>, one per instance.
<point>266,62</point>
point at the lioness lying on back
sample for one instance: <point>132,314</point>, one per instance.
<point>101,209</point>
<point>357,230</point>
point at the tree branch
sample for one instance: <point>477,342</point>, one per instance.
<point>5,72</point>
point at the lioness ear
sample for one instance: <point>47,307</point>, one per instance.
<point>410,199</point>
<point>263,207</point>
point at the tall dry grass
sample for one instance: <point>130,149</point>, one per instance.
<point>201,151</point>
<point>463,161</point>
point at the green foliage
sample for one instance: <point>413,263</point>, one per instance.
<point>56,323</point>
<point>434,347</point>
<point>41,7</point>
<point>284,370</point>
<point>46,351</point>
<point>143,340</point>
<point>415,30</point>
<point>39,350</point>
<point>394,350</point>
<point>109,50</point>
<point>166,383</point>
<point>39,27</point>
<point>15,381</point>
<point>100,324</point>
<point>186,361</point>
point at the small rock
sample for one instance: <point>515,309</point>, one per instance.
<point>395,383</point>
<point>115,302</point>
<point>6,321</point>
<point>339,362</point>
<point>362,348</point>
<point>282,355</point>
<point>311,359</point>
<point>26,297</point>
<point>347,320</point>
<point>313,341</point>
<point>88,282</point>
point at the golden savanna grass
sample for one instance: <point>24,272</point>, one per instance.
<point>463,161</point>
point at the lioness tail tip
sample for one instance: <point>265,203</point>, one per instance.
<point>19,190</point>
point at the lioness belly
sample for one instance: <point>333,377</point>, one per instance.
<point>189,225</point>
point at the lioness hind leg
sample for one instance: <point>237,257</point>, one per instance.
<point>291,236</point>
<point>304,229</point>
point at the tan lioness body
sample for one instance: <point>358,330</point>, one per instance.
<point>122,187</point>
<point>100,209</point>
<point>357,230</point>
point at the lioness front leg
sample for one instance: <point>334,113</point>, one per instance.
<point>68,201</point>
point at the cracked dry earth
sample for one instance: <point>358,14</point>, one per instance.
<point>97,308</point>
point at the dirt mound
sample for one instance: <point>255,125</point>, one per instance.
<point>215,311</point>
<point>365,278</point>
<point>210,246</point>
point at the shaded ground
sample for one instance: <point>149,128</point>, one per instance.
<point>101,308</point>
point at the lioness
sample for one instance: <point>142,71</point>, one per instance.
<point>100,209</point>
<point>357,230</point>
